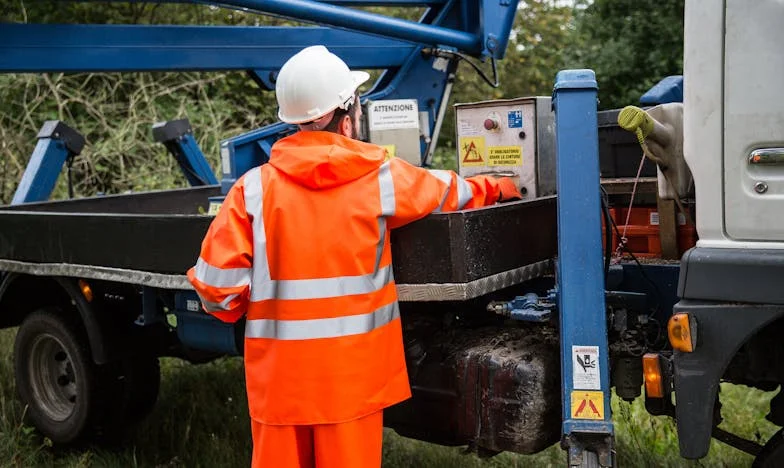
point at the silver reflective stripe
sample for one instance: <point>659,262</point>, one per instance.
<point>464,193</point>
<point>263,287</point>
<point>321,328</point>
<point>386,188</point>
<point>446,178</point>
<point>321,288</point>
<point>221,277</point>
<point>217,306</point>
<point>253,205</point>
<point>443,176</point>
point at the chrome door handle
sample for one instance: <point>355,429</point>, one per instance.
<point>766,156</point>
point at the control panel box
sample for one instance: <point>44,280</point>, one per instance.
<point>509,137</point>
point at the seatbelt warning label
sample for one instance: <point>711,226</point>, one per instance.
<point>585,368</point>
<point>394,114</point>
<point>472,151</point>
<point>505,156</point>
<point>515,119</point>
<point>587,405</point>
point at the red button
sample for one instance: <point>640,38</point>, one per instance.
<point>490,124</point>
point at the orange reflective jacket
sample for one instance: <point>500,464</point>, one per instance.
<point>300,248</point>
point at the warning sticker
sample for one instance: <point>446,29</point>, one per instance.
<point>515,119</point>
<point>505,156</point>
<point>393,114</point>
<point>587,405</point>
<point>390,150</point>
<point>472,151</point>
<point>214,208</point>
<point>585,368</point>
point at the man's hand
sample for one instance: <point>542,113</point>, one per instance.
<point>509,190</point>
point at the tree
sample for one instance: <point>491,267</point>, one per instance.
<point>542,31</point>
<point>630,44</point>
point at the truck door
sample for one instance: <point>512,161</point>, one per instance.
<point>754,120</point>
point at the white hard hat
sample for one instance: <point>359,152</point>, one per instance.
<point>313,83</point>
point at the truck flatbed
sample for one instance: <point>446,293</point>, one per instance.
<point>152,238</point>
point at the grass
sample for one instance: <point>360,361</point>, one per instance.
<point>201,421</point>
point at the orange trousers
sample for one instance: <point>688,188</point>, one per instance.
<point>353,444</point>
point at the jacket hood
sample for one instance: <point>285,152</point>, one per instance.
<point>321,160</point>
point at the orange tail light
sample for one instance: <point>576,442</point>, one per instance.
<point>651,368</point>
<point>681,332</point>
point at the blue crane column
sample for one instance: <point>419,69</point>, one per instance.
<point>57,144</point>
<point>587,423</point>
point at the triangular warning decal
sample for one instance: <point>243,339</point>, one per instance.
<point>472,151</point>
<point>587,405</point>
<point>471,154</point>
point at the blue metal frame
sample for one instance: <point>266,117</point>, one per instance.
<point>198,330</point>
<point>56,144</point>
<point>364,40</point>
<point>669,89</point>
<point>416,76</point>
<point>580,273</point>
<point>42,171</point>
<point>28,47</point>
<point>192,162</point>
<point>118,48</point>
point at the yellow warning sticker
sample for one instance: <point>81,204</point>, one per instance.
<point>214,208</point>
<point>505,156</point>
<point>472,151</point>
<point>390,150</point>
<point>587,405</point>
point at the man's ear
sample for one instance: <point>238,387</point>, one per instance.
<point>345,126</point>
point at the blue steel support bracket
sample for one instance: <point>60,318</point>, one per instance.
<point>527,308</point>
<point>669,89</point>
<point>57,142</point>
<point>587,421</point>
<point>199,330</point>
<point>177,136</point>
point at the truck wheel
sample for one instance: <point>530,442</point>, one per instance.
<point>55,375</point>
<point>772,454</point>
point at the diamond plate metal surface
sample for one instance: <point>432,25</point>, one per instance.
<point>472,289</point>
<point>406,292</point>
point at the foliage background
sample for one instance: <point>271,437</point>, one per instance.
<point>631,44</point>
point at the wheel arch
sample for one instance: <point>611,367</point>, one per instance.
<point>722,330</point>
<point>21,294</point>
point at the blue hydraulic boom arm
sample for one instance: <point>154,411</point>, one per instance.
<point>417,59</point>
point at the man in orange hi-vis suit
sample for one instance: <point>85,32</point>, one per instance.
<point>300,248</point>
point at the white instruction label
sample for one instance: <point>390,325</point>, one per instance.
<point>225,161</point>
<point>440,64</point>
<point>192,305</point>
<point>585,368</point>
<point>394,114</point>
<point>466,128</point>
<point>654,219</point>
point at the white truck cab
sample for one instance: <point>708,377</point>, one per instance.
<point>734,121</point>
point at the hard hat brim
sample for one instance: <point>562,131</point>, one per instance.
<point>359,78</point>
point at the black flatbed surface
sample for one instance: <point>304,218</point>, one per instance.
<point>161,232</point>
